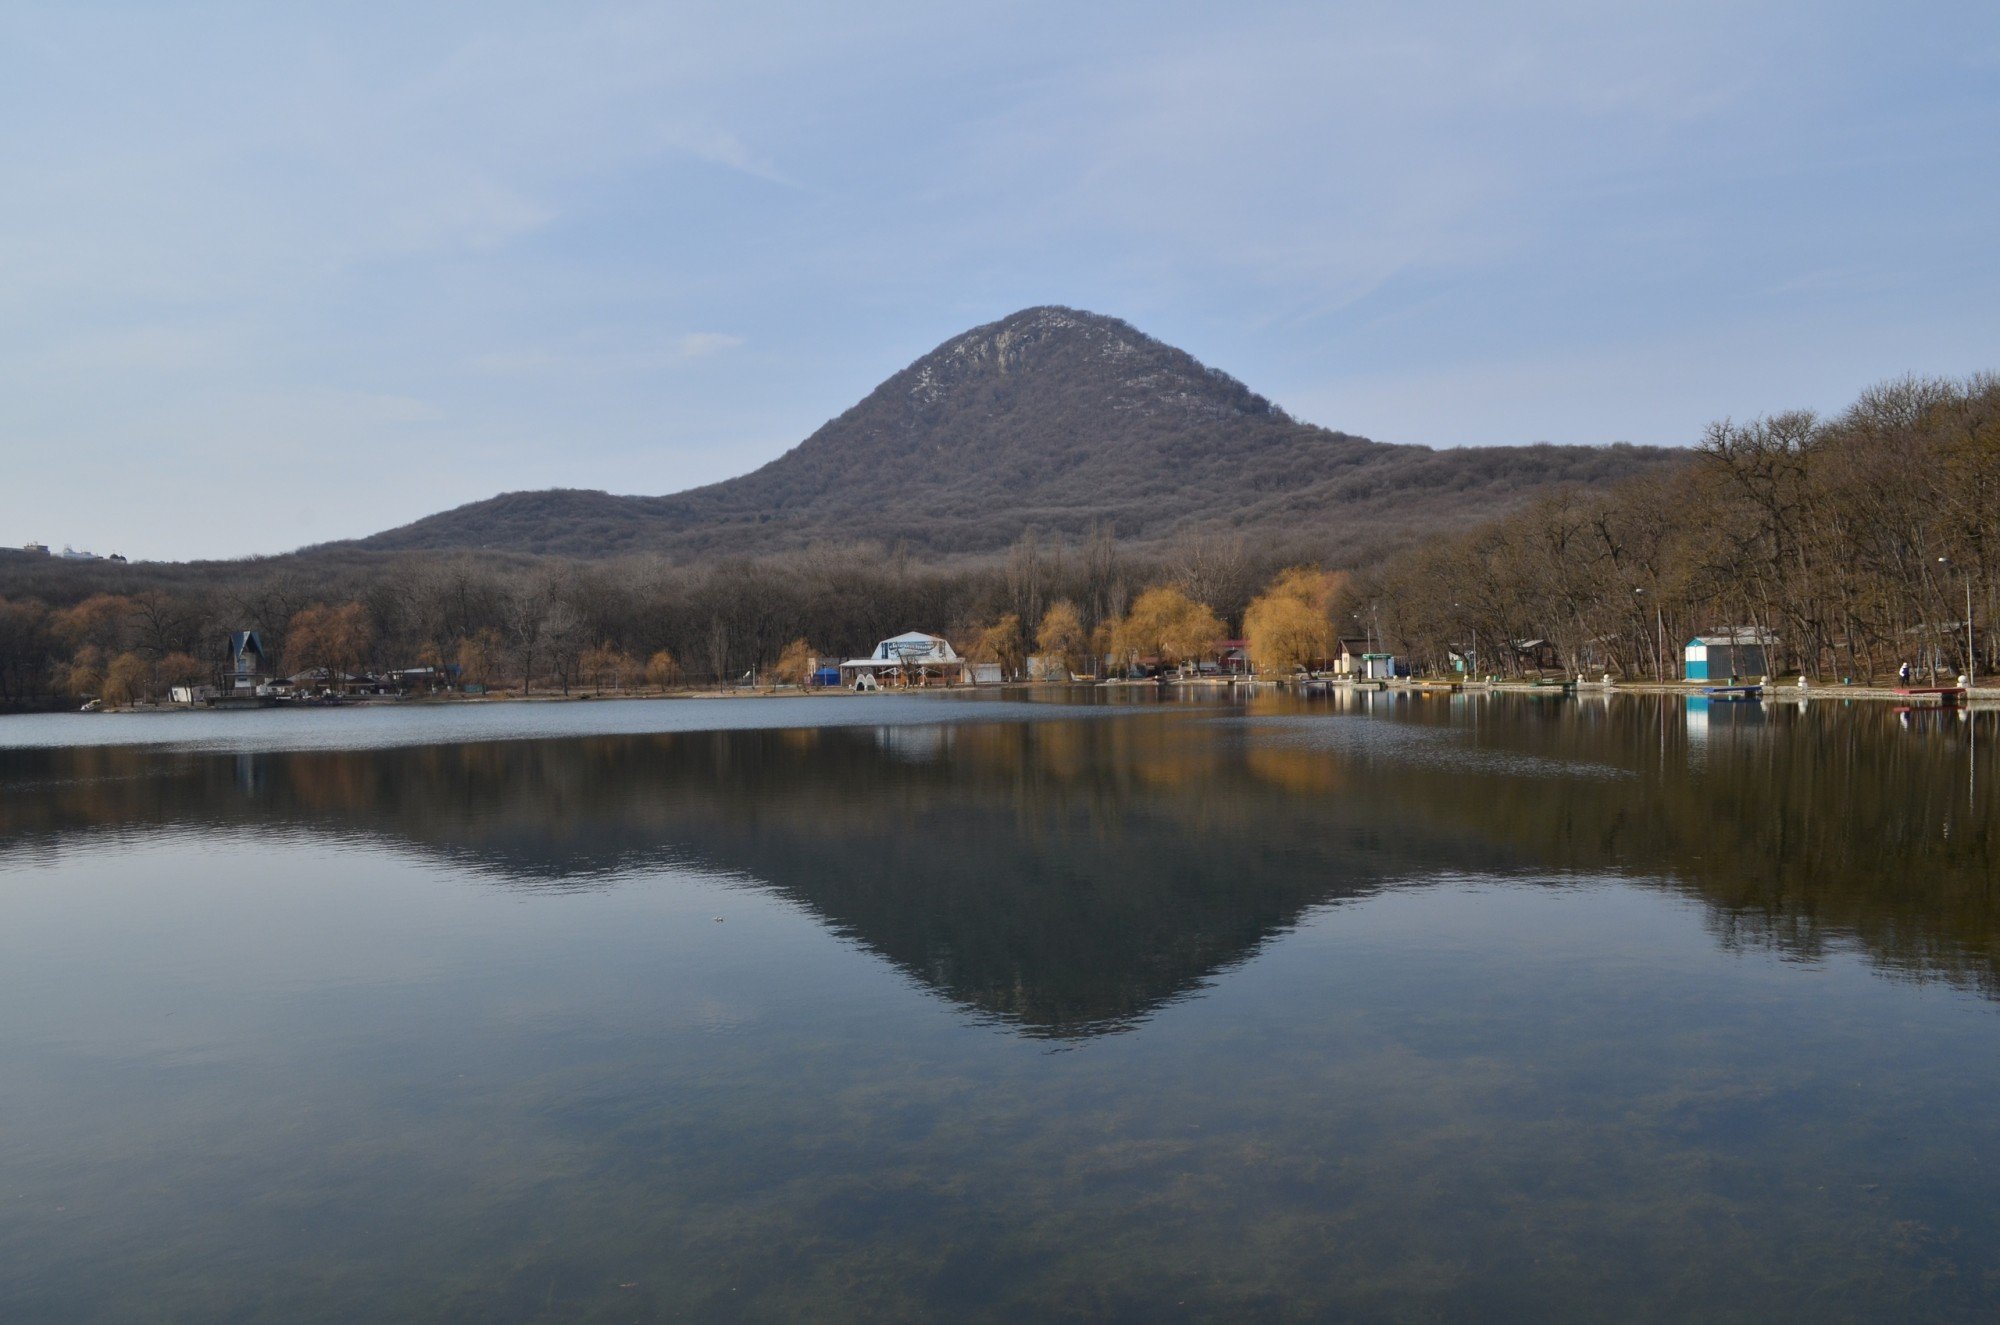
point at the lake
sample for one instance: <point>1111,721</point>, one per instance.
<point>1372,1006</point>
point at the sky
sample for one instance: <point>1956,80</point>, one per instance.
<point>278,274</point>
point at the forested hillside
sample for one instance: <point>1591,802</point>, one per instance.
<point>1863,542</point>
<point>1058,420</point>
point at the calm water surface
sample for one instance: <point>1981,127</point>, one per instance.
<point>1376,1007</point>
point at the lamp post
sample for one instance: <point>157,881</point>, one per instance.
<point>1971,666</point>
<point>1659,639</point>
<point>1371,626</point>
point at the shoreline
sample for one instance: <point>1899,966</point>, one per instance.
<point>515,697</point>
<point>1980,697</point>
<point>1983,696</point>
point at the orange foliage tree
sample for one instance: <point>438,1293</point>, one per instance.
<point>662,671</point>
<point>127,680</point>
<point>331,640</point>
<point>795,663</point>
<point>1165,623</point>
<point>1061,635</point>
<point>607,666</point>
<point>1288,625</point>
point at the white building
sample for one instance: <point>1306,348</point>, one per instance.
<point>909,659</point>
<point>1722,655</point>
<point>248,665</point>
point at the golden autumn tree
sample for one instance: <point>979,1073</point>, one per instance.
<point>97,630</point>
<point>83,675</point>
<point>1288,625</point>
<point>329,639</point>
<point>795,664</point>
<point>662,670</point>
<point>127,680</point>
<point>606,666</point>
<point>1103,642</point>
<point>1061,635</point>
<point>1002,643</point>
<point>1165,623</point>
<point>479,657</point>
<point>182,669</point>
<point>103,619</point>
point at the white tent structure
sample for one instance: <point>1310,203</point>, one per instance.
<point>913,658</point>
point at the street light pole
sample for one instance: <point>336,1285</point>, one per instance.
<point>1659,639</point>
<point>1971,663</point>
<point>1640,594</point>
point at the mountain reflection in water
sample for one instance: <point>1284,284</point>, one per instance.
<point>1068,877</point>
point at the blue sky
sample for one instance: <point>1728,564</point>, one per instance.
<point>280,274</point>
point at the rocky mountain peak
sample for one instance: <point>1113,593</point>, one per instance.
<point>1056,419</point>
<point>1065,347</point>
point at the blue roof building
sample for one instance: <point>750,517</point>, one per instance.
<point>247,662</point>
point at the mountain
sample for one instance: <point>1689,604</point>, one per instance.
<point>1058,419</point>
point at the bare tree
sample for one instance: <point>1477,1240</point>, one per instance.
<point>718,649</point>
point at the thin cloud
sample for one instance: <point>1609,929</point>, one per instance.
<point>722,148</point>
<point>701,344</point>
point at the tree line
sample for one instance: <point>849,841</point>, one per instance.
<point>546,623</point>
<point>1856,540</point>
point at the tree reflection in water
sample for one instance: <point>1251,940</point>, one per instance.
<point>1069,877</point>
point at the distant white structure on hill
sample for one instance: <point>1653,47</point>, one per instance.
<point>68,553</point>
